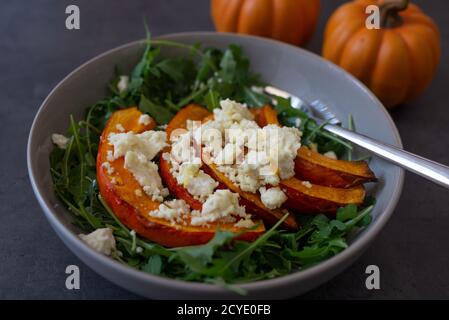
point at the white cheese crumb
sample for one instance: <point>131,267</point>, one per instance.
<point>144,119</point>
<point>244,223</point>
<point>139,249</point>
<point>148,143</point>
<point>119,127</point>
<point>110,170</point>
<point>297,122</point>
<point>232,111</point>
<point>331,155</point>
<point>146,173</point>
<point>196,182</point>
<point>221,205</point>
<point>270,154</point>
<point>109,156</point>
<point>272,198</point>
<point>60,140</point>
<point>101,240</point>
<point>172,210</point>
<point>306,184</point>
<point>123,83</point>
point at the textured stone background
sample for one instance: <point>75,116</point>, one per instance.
<point>36,51</point>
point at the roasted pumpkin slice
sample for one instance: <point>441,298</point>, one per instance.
<point>265,115</point>
<point>305,197</point>
<point>190,112</point>
<point>131,205</point>
<point>317,168</point>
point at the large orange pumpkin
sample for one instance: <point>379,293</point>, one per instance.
<point>291,21</point>
<point>397,61</point>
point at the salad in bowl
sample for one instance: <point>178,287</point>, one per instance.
<point>188,170</point>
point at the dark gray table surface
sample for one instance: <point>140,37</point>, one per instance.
<point>37,51</point>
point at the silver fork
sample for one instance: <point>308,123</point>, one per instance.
<point>426,168</point>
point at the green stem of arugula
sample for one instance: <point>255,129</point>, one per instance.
<point>190,97</point>
<point>183,46</point>
<point>255,244</point>
<point>330,136</point>
<point>361,215</point>
<point>312,134</point>
<point>65,162</point>
<point>88,117</point>
<point>75,132</point>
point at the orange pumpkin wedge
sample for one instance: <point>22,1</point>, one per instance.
<point>317,168</point>
<point>192,112</point>
<point>305,197</point>
<point>118,188</point>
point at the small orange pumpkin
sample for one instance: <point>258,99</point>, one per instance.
<point>291,21</point>
<point>398,61</point>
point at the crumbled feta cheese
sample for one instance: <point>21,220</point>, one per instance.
<point>101,240</point>
<point>123,83</point>
<point>139,249</point>
<point>244,223</point>
<point>270,155</point>
<point>201,186</point>
<point>148,143</point>
<point>297,122</point>
<point>109,156</point>
<point>172,210</point>
<point>331,155</point>
<point>119,127</point>
<point>222,205</point>
<point>187,171</point>
<point>232,111</point>
<point>272,198</point>
<point>110,170</point>
<point>144,119</point>
<point>146,173</point>
<point>60,140</point>
<point>306,184</point>
<point>183,151</point>
<point>138,192</point>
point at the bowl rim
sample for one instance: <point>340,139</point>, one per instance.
<point>354,249</point>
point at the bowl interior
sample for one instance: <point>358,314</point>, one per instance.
<point>293,69</point>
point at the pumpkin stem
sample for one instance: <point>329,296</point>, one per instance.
<point>389,13</point>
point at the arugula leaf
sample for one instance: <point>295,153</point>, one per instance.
<point>160,114</point>
<point>198,257</point>
<point>154,265</point>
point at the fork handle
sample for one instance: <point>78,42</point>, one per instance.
<point>426,168</point>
